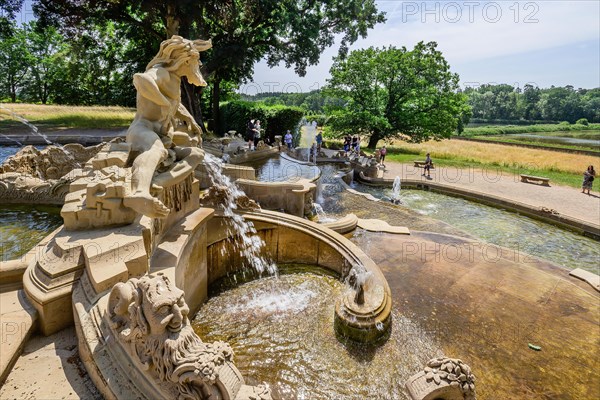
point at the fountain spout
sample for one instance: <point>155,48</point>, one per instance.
<point>359,286</point>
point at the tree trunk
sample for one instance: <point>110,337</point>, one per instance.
<point>172,21</point>
<point>375,137</point>
<point>216,98</point>
<point>191,100</point>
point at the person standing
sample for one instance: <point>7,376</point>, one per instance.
<point>382,153</point>
<point>588,179</point>
<point>354,143</point>
<point>256,133</point>
<point>346,144</point>
<point>288,139</point>
<point>427,166</point>
<point>319,139</point>
<point>250,133</point>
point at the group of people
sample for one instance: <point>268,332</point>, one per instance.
<point>253,131</point>
<point>351,143</point>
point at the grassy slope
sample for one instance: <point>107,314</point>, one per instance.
<point>51,117</point>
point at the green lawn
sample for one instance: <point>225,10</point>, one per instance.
<point>560,177</point>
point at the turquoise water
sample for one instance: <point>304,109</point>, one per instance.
<point>23,226</point>
<point>562,247</point>
<point>279,169</point>
<point>7,151</point>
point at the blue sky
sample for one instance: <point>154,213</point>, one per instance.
<point>516,42</point>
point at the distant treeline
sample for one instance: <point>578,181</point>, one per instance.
<point>490,104</point>
<point>532,104</point>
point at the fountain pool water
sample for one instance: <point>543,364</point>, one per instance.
<point>503,228</point>
<point>23,226</point>
<point>279,169</point>
<point>282,333</point>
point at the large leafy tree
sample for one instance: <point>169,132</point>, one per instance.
<point>392,93</point>
<point>243,31</point>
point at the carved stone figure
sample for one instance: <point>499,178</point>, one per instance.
<point>52,162</point>
<point>42,176</point>
<point>443,378</point>
<point>155,134</point>
<point>151,316</point>
<point>218,195</point>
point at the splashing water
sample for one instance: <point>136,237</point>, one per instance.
<point>22,120</point>
<point>396,190</point>
<point>250,244</point>
<point>34,129</point>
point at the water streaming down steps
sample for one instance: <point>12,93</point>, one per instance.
<point>250,245</point>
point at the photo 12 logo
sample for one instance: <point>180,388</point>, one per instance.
<point>469,11</point>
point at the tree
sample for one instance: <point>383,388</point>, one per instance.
<point>8,12</point>
<point>48,51</point>
<point>393,93</point>
<point>243,31</point>
<point>15,60</point>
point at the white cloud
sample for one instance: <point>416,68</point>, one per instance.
<point>478,33</point>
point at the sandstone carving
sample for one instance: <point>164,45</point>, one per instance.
<point>152,173</point>
<point>151,318</point>
<point>42,176</point>
<point>163,134</point>
<point>52,162</point>
<point>219,194</point>
<point>443,378</point>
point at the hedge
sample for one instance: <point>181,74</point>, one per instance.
<point>275,120</point>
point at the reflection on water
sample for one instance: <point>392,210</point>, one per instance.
<point>23,226</point>
<point>7,151</point>
<point>281,330</point>
<point>503,228</point>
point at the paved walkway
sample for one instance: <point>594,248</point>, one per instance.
<point>566,200</point>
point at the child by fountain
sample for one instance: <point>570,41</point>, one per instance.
<point>288,139</point>
<point>319,139</point>
<point>382,153</point>
<point>427,166</point>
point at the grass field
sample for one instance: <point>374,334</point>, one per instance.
<point>562,168</point>
<point>52,117</point>
<point>563,129</point>
<point>534,142</point>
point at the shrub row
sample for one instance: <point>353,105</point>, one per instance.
<point>275,120</point>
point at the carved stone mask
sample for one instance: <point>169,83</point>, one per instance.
<point>164,306</point>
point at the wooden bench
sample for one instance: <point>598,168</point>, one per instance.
<point>421,164</point>
<point>527,178</point>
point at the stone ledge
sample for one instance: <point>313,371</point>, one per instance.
<point>17,322</point>
<point>587,276</point>
<point>377,225</point>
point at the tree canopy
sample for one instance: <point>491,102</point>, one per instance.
<point>243,31</point>
<point>393,93</point>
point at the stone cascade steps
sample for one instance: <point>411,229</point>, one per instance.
<point>17,322</point>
